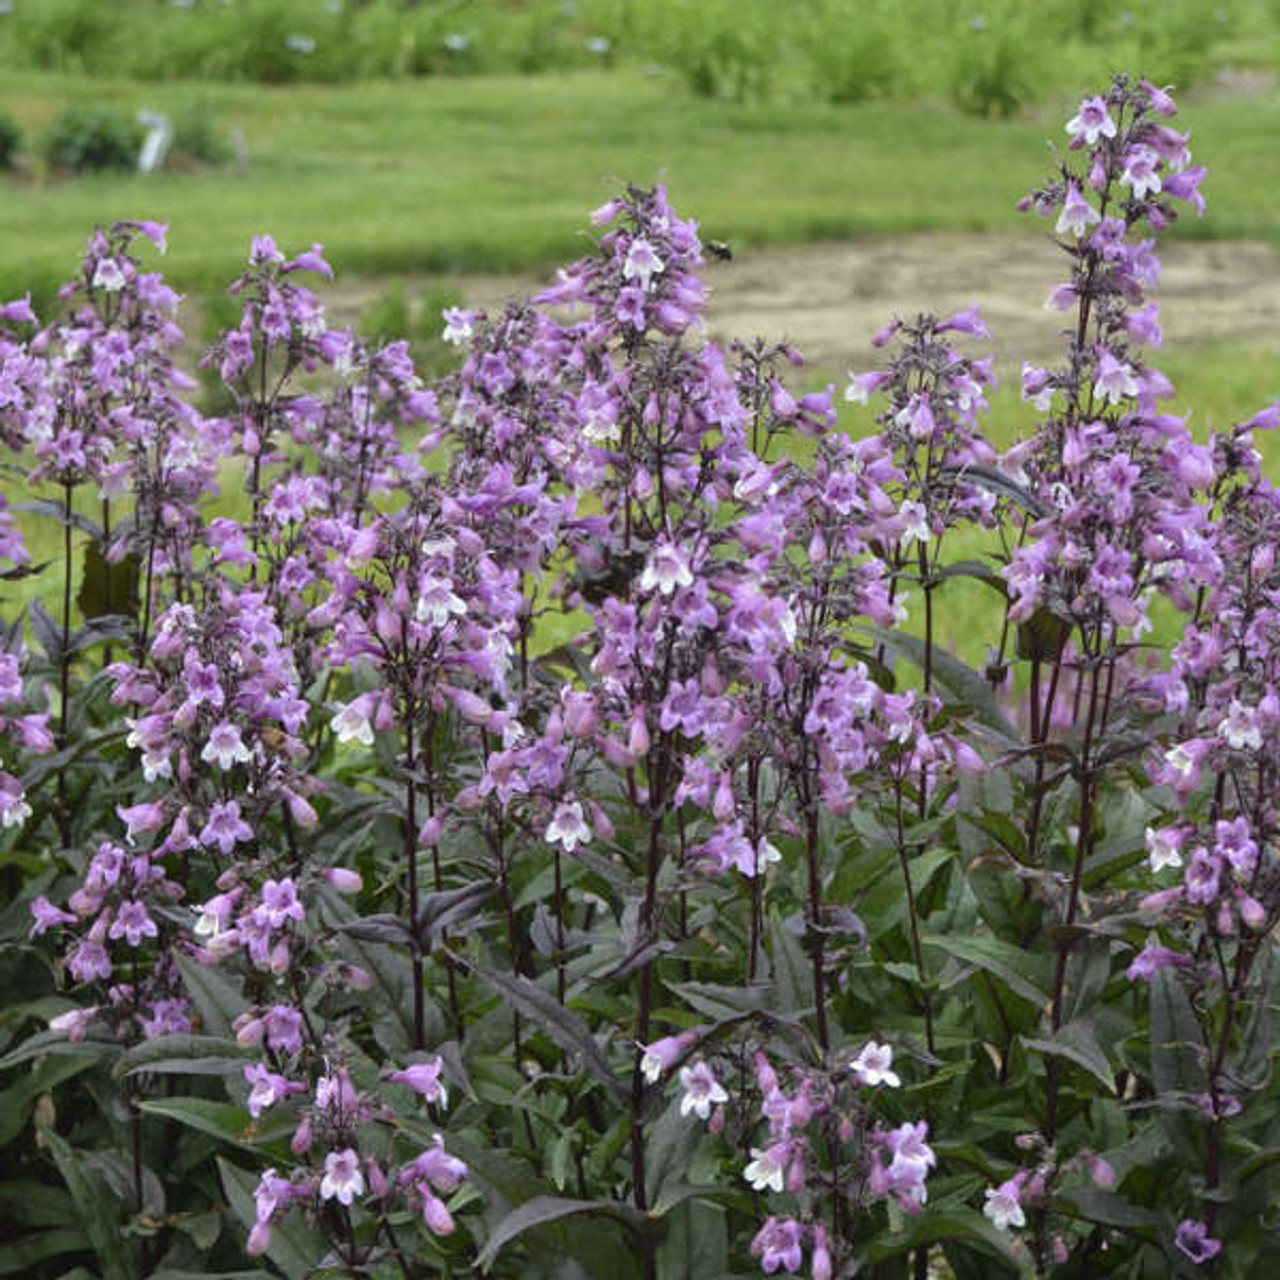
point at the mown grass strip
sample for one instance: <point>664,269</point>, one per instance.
<point>499,172</point>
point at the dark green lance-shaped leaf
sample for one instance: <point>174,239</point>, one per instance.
<point>218,1001</point>
<point>1010,964</point>
<point>544,1209</point>
<point>962,682</point>
<point>47,631</point>
<point>1258,1163</point>
<point>98,630</point>
<point>107,589</point>
<point>218,1119</point>
<point>392,975</point>
<point>1176,1063</point>
<point>723,1003</point>
<point>56,511</point>
<point>1253,1059</point>
<point>697,1243</point>
<point>792,973</point>
<point>53,1042</point>
<point>995,481</point>
<point>1077,1043</point>
<point>34,1204</point>
<point>561,1024</point>
<point>645,951</point>
<point>46,767</point>
<point>18,572</point>
<point>1096,1205</point>
<point>1041,636</point>
<point>440,911</point>
<point>595,1242</point>
<point>168,1273</point>
<point>20,1257</point>
<point>98,1209</point>
<point>979,571</point>
<point>294,1248</point>
<point>18,1101</point>
<point>953,1223</point>
<point>1001,828</point>
<point>203,1228</point>
<point>383,927</point>
<point>669,1145</point>
<point>184,1055</point>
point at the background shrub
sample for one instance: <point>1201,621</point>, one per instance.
<point>90,138</point>
<point>196,134</point>
<point>10,141</point>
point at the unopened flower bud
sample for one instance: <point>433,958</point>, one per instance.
<point>249,1031</point>
<point>378,1182</point>
<point>1156,904</point>
<point>301,1140</point>
<point>343,879</point>
<point>1252,913</point>
<point>355,978</point>
<point>722,805</point>
<point>600,821</point>
<point>638,737</point>
<point>438,1218</point>
<point>713,683</point>
<point>1100,1170</point>
<point>617,755</point>
<point>821,1268</point>
<point>300,809</point>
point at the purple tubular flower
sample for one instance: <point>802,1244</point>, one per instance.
<point>778,1244</point>
<point>1151,959</point>
<point>311,260</point>
<point>46,916</point>
<point>132,923</point>
<point>343,1179</point>
<point>19,311</point>
<point>1194,1240</point>
<point>267,1088</point>
<point>659,1056</point>
<point>967,321</point>
<point>436,1166</point>
<point>1091,122</point>
<point>283,1027</point>
<point>424,1078</point>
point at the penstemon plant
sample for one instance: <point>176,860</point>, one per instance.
<point>531,824</point>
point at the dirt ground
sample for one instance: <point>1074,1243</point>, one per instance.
<point>828,299</point>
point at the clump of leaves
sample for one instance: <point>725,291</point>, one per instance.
<point>89,139</point>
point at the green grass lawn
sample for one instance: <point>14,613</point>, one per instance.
<point>500,172</point>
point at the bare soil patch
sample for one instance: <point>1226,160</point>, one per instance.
<point>829,299</point>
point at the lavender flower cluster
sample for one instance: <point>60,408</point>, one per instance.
<point>364,793</point>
